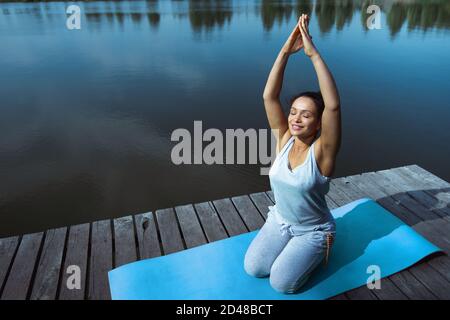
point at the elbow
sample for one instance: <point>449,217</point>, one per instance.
<point>333,106</point>
<point>270,97</point>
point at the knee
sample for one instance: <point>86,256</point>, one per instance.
<point>255,268</point>
<point>282,283</point>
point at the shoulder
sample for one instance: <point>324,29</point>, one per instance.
<point>282,142</point>
<point>325,162</point>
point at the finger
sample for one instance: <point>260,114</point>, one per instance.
<point>303,28</point>
<point>304,25</point>
<point>295,31</point>
<point>302,31</point>
<point>300,24</point>
<point>296,25</point>
<point>307,25</point>
<point>293,36</point>
<point>301,18</point>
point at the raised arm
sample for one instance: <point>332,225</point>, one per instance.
<point>330,137</point>
<point>277,119</point>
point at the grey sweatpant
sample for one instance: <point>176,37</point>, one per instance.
<point>288,255</point>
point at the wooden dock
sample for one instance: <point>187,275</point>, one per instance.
<point>33,266</point>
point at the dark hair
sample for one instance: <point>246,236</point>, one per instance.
<point>316,96</point>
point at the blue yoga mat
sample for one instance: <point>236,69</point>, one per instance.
<point>367,234</point>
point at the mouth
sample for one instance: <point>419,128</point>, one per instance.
<point>296,127</point>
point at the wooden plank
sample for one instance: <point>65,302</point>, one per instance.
<point>361,293</point>
<point>367,183</point>
<point>428,176</point>
<point>398,195</point>
<point>251,216</point>
<point>190,226</point>
<point>230,217</point>
<point>214,230</point>
<point>420,203</point>
<point>20,277</point>
<point>435,197</point>
<point>46,282</point>
<point>416,179</point>
<point>412,287</point>
<point>77,250</point>
<point>101,260</point>
<point>389,290</point>
<point>418,206</point>
<point>8,247</point>
<point>147,234</point>
<point>432,198</point>
<point>124,241</point>
<point>349,191</point>
<point>337,195</point>
<point>434,281</point>
<point>404,280</point>
<point>169,231</point>
<point>262,202</point>
<point>330,203</point>
<point>418,188</point>
<point>271,195</point>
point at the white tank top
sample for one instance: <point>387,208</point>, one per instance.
<point>299,193</point>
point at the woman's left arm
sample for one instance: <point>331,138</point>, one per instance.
<point>330,137</point>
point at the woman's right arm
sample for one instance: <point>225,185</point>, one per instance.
<point>277,120</point>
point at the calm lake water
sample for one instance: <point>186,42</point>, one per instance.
<point>87,115</point>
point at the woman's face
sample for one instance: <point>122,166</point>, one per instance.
<point>303,118</point>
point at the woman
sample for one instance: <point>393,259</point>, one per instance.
<point>299,229</point>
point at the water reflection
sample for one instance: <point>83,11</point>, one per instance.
<point>424,15</point>
<point>207,14</point>
<point>204,15</point>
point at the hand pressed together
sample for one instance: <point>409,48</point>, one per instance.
<point>300,38</point>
